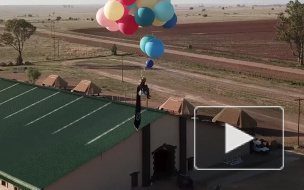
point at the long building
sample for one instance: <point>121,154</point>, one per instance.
<point>56,140</point>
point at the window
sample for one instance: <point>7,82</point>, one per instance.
<point>3,183</point>
<point>134,179</point>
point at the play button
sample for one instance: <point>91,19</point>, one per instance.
<point>235,138</point>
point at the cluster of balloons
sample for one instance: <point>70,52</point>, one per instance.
<point>128,15</point>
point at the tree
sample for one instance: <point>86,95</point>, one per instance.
<point>15,34</point>
<point>33,75</point>
<point>58,18</point>
<point>290,28</point>
<point>114,49</point>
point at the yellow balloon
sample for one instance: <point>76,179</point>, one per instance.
<point>113,10</point>
<point>146,3</point>
<point>158,23</point>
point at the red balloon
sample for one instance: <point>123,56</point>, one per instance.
<point>126,10</point>
<point>127,2</point>
<point>127,25</point>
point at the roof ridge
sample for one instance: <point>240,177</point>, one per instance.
<point>83,95</point>
<point>18,181</point>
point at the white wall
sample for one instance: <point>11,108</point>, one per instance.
<point>110,171</point>
<point>165,131</point>
<point>7,187</point>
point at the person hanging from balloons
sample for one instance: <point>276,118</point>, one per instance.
<point>143,88</point>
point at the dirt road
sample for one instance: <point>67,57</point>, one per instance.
<point>238,63</point>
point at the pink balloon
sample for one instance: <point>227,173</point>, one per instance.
<point>127,2</point>
<point>102,19</point>
<point>127,25</point>
<point>99,16</point>
<point>113,28</point>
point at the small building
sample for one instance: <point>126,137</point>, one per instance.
<point>55,81</point>
<point>237,118</point>
<point>179,106</point>
<point>87,87</point>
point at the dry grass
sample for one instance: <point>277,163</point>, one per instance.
<point>41,14</point>
<point>41,48</point>
<point>216,14</point>
<point>182,85</point>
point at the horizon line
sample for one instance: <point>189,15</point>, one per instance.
<point>173,4</point>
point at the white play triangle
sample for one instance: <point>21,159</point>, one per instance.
<point>235,138</point>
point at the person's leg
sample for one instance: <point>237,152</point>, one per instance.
<point>148,92</point>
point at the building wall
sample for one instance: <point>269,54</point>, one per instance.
<point>112,169</point>
<point>109,171</point>
<point>190,138</point>
<point>165,130</point>
<point>7,187</point>
<point>210,145</point>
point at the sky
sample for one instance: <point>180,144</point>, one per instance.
<point>74,2</point>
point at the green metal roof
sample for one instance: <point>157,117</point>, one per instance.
<point>47,133</point>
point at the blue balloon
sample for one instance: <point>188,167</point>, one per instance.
<point>144,17</point>
<point>143,42</point>
<point>164,11</point>
<point>155,48</point>
<point>171,23</point>
<point>131,6</point>
<point>149,64</point>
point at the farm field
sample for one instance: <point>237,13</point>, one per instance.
<point>248,38</point>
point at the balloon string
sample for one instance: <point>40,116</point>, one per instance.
<point>141,73</point>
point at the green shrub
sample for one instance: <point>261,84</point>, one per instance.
<point>114,49</point>
<point>33,74</point>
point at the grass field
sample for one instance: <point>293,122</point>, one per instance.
<point>42,48</point>
<point>41,14</point>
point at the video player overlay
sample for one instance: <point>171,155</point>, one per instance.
<point>239,138</point>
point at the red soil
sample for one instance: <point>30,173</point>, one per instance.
<point>255,38</point>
